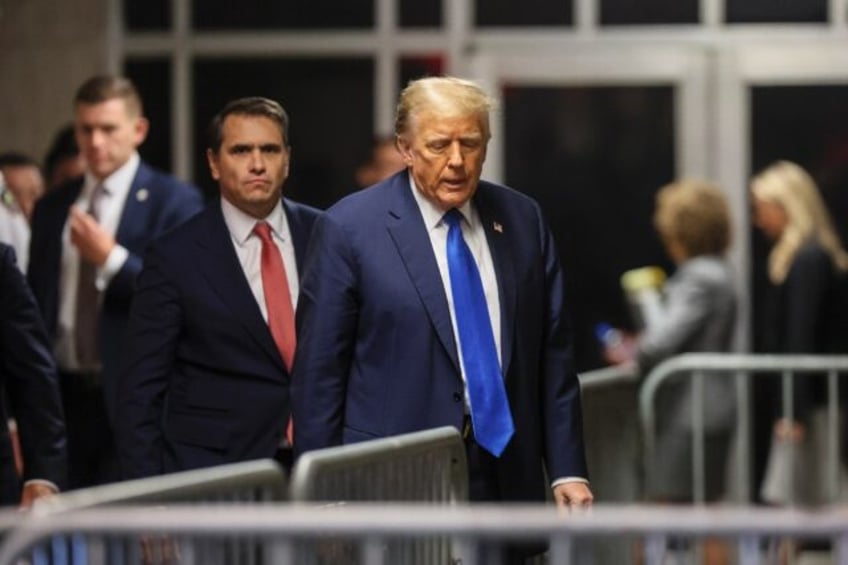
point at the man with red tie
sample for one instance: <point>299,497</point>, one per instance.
<point>211,335</point>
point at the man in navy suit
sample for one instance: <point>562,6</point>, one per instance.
<point>86,247</point>
<point>206,380</point>
<point>378,353</point>
<point>31,390</point>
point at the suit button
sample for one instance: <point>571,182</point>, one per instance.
<point>457,397</point>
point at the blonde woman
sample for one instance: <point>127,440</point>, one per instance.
<point>806,269</point>
<point>806,261</point>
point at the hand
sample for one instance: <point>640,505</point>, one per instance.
<point>91,240</point>
<point>35,490</point>
<point>573,495</point>
<point>789,430</point>
<point>622,351</point>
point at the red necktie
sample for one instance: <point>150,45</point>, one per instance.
<point>278,302</point>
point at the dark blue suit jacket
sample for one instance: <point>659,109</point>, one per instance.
<point>167,203</point>
<point>204,383</point>
<point>29,387</point>
<point>376,352</point>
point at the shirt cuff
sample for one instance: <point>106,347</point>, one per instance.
<point>563,480</point>
<point>44,482</point>
<point>114,263</point>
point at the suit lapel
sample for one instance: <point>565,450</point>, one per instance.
<point>223,272</point>
<point>498,237</point>
<point>298,232</point>
<point>409,234</point>
<point>135,216</point>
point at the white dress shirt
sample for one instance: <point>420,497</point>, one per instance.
<point>116,188</point>
<point>475,238</point>
<point>14,231</point>
<point>248,248</point>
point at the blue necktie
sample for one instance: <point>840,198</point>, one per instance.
<point>490,413</point>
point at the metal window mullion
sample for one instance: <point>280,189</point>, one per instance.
<point>712,14</point>
<point>182,118</point>
<point>115,36</point>
<point>838,14</point>
<point>586,17</point>
<point>458,27</point>
<point>386,65</point>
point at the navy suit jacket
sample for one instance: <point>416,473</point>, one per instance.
<point>204,383</point>
<point>166,203</point>
<point>376,352</point>
<point>29,387</point>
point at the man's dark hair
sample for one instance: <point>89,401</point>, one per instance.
<point>15,159</point>
<point>101,88</point>
<point>64,146</point>
<point>250,106</point>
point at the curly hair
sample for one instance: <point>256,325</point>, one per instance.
<point>694,214</point>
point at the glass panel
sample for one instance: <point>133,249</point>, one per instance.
<point>491,13</point>
<point>151,15</point>
<point>152,78</point>
<point>329,102</point>
<point>273,14</point>
<point>412,68</point>
<point>593,157</point>
<point>765,11</point>
<point>414,13</point>
<point>628,12</point>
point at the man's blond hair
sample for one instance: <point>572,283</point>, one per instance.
<point>448,96</point>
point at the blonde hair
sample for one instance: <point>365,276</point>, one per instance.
<point>695,214</point>
<point>449,96</point>
<point>788,185</point>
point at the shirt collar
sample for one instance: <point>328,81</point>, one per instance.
<point>431,213</point>
<point>241,224</point>
<point>118,183</point>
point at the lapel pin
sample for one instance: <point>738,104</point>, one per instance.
<point>142,194</point>
<point>498,227</point>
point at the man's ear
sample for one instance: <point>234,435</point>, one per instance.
<point>405,150</point>
<point>212,159</point>
<point>142,126</point>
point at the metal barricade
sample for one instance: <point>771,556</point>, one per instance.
<point>277,529</point>
<point>743,368</point>
<point>428,466</point>
<point>256,482</point>
<point>252,481</point>
<point>422,466</point>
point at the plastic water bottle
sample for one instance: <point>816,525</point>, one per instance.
<point>609,337</point>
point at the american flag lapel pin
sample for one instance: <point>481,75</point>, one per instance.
<point>498,227</point>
